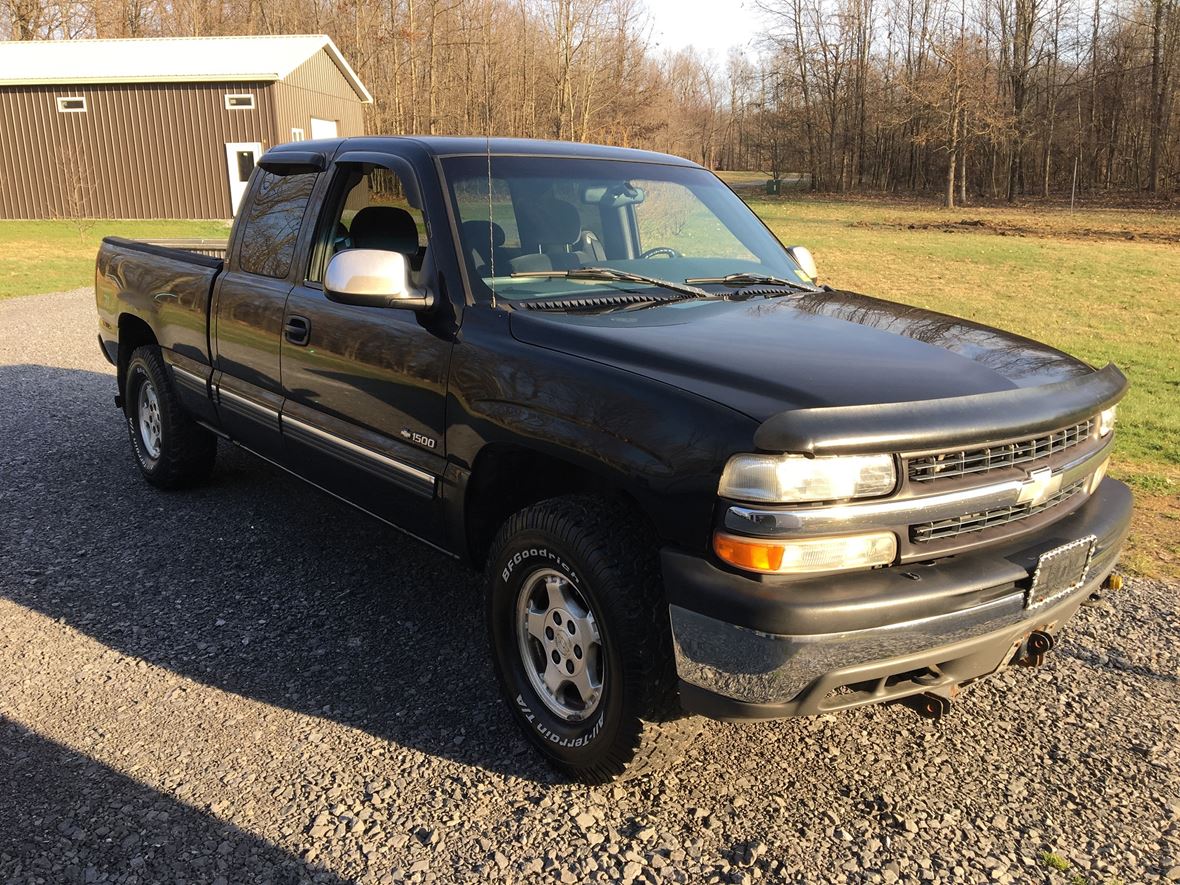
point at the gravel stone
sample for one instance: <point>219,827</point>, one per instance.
<point>143,739</point>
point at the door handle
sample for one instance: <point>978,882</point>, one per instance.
<point>297,330</point>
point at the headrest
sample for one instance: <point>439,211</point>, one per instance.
<point>554,221</point>
<point>385,227</point>
<point>476,234</point>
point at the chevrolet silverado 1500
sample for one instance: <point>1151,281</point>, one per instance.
<point>697,481</point>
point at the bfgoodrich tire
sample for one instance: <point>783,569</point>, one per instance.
<point>172,450</point>
<point>580,638</point>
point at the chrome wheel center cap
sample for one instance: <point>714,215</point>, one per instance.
<point>564,643</point>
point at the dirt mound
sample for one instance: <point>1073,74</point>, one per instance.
<point>1011,229</point>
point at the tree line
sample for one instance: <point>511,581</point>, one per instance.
<point>967,98</point>
<point>994,98</point>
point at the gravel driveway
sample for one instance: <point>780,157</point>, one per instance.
<point>254,683</point>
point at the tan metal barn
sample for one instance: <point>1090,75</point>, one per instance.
<point>160,128</point>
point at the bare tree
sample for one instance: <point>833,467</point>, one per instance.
<point>75,185</point>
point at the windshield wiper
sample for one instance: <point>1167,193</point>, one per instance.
<point>738,280</point>
<point>613,275</point>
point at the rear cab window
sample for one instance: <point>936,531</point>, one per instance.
<point>272,221</point>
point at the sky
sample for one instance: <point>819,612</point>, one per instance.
<point>706,24</point>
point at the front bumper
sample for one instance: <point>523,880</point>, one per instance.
<point>759,649</point>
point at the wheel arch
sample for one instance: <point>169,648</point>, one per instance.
<point>134,332</point>
<point>507,477</point>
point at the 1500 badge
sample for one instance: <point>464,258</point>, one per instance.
<point>417,439</point>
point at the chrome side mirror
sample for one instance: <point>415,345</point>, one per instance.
<point>373,278</point>
<point>806,261</point>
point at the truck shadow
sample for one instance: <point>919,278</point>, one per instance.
<point>60,803</point>
<point>255,583</point>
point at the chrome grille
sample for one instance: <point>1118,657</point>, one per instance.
<point>965,462</point>
<point>986,519</point>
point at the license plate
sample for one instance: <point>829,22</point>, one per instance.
<point>1060,571</point>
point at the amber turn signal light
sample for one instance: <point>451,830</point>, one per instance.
<point>745,553</point>
<point>804,555</point>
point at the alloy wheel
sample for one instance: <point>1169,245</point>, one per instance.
<point>560,645</point>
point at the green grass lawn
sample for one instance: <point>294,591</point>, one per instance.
<point>52,256</point>
<point>1102,284</point>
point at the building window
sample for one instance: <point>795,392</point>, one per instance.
<point>297,135</point>
<point>244,102</point>
<point>71,104</point>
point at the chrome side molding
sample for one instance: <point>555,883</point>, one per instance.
<point>423,479</point>
<point>189,379</point>
<point>407,475</point>
<point>241,403</point>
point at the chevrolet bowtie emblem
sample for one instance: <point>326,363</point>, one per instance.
<point>1040,486</point>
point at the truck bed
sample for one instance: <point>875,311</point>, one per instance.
<point>166,284</point>
<point>197,245</point>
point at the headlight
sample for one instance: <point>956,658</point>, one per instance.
<point>1106,421</point>
<point>786,479</point>
<point>797,557</point>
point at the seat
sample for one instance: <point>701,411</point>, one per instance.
<point>386,227</point>
<point>485,241</point>
<point>589,243</point>
<point>340,238</point>
<point>555,226</point>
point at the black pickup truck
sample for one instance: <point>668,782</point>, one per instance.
<point>697,481</point>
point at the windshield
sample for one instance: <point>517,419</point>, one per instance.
<point>543,216</point>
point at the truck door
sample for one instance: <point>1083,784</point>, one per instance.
<point>366,386</point>
<point>247,313</point>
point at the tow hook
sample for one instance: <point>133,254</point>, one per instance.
<point>1035,648</point>
<point>928,705</point>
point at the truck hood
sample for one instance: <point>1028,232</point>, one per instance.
<point>767,355</point>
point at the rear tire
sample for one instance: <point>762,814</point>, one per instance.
<point>172,450</point>
<point>581,641</point>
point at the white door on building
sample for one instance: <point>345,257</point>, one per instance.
<point>323,128</point>
<point>240,159</point>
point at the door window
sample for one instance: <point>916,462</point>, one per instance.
<point>372,212</point>
<point>245,160</point>
<point>272,223</point>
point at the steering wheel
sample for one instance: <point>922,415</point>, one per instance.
<point>666,251</point>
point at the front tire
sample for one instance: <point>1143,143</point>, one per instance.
<point>172,450</point>
<point>580,638</point>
